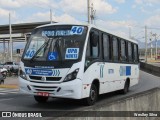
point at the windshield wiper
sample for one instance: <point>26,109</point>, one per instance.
<point>44,45</point>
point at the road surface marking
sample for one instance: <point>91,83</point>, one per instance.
<point>8,91</point>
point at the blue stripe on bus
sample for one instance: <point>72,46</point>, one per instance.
<point>128,70</point>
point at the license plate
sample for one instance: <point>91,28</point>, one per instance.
<point>46,94</point>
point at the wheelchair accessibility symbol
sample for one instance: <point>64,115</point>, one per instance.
<point>52,56</point>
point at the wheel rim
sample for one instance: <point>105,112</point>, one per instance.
<point>93,95</point>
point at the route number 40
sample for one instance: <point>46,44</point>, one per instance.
<point>29,53</point>
<point>77,30</point>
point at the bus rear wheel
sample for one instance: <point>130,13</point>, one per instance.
<point>92,97</point>
<point>126,87</point>
<point>40,99</point>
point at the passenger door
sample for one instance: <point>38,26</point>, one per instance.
<point>93,57</point>
<point>108,71</point>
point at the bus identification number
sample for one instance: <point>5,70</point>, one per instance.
<point>29,53</point>
<point>77,30</point>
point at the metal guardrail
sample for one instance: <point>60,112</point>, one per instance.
<point>155,70</point>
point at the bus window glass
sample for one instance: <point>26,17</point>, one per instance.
<point>92,51</point>
<point>115,49</point>
<point>35,44</point>
<point>123,51</point>
<point>106,47</point>
<point>130,52</point>
<point>135,53</point>
<point>94,48</point>
<point>56,43</point>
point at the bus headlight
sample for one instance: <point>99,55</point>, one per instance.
<point>71,76</point>
<point>22,74</point>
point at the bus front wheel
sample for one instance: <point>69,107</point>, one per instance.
<point>92,97</point>
<point>41,99</point>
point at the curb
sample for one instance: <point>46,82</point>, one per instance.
<point>153,61</point>
<point>11,86</point>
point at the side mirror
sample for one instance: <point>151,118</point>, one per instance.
<point>94,39</point>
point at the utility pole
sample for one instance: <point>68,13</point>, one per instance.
<point>156,38</point>
<point>92,16</point>
<point>145,43</point>
<point>156,45</point>
<point>51,15</point>
<point>151,43</point>
<point>155,35</point>
<point>4,51</point>
<point>10,34</point>
<point>151,47</point>
<point>156,48</point>
<point>93,12</point>
<point>88,8</point>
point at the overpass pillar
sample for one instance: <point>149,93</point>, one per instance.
<point>4,51</point>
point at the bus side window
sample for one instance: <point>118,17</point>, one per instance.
<point>130,54</point>
<point>115,49</point>
<point>92,51</point>
<point>88,53</point>
<point>135,53</point>
<point>123,51</point>
<point>106,50</point>
<point>94,43</point>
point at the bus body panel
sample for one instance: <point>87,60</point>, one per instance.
<point>111,76</point>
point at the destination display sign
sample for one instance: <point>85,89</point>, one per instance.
<point>75,30</point>
<point>43,72</point>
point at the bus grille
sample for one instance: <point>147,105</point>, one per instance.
<point>45,88</point>
<point>47,78</point>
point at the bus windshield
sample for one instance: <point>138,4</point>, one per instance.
<point>56,43</point>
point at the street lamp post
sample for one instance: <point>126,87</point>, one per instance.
<point>151,47</point>
<point>151,43</point>
<point>156,39</point>
<point>145,43</point>
<point>88,8</point>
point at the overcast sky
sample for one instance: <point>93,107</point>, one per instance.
<point>114,15</point>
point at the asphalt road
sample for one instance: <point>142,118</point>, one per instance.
<point>20,102</point>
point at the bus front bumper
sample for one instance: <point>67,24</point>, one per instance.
<point>71,89</point>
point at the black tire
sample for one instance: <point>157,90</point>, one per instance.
<point>40,99</point>
<point>91,100</point>
<point>126,87</point>
<point>1,82</point>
